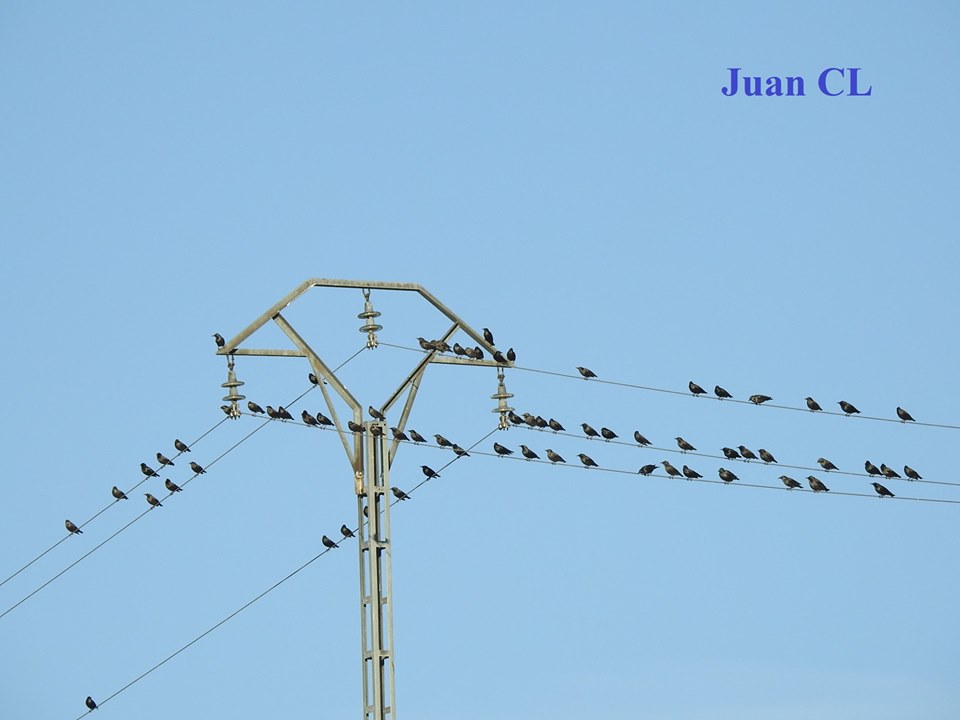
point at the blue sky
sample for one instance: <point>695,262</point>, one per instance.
<point>570,176</point>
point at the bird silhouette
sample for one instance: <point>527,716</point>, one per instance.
<point>442,441</point>
<point>691,474</point>
<point>118,493</point>
<point>72,528</point>
<point>589,431</point>
<point>308,419</point>
<point>826,464</point>
<point>528,453</point>
<point>881,490</point>
<point>726,475</point>
<point>514,418</point>
<point>272,414</point>
<point>197,469</point>
<point>218,338</point>
<point>488,336</point>
<point>89,701</point>
<point>499,358</point>
<point>889,472</point>
<point>554,425</point>
<point>647,469</point>
<point>730,453</point>
<point>554,457</point>
<point>429,472</point>
<point>511,355</point>
<point>283,413</point>
<point>354,427</point>
<point>695,389</point>
<point>607,434</point>
<point>417,437</point>
<point>501,450</point>
<point>458,349</point>
<point>181,446</point>
<point>323,420</point>
<point>904,417</point>
<point>871,468</point>
<point>759,399</point>
<point>721,393</point>
<point>641,440</point>
<point>374,413</point>
<point>586,372</point>
<point>477,353</point>
<point>313,378</point>
<point>345,531</point>
<point>147,470</point>
<point>164,460</point>
<point>790,482</point>
<point>847,407</point>
<point>683,444</point>
<point>400,494</point>
<point>816,485</point>
<point>813,405</point>
<point>152,500</point>
<point>328,543</point>
<point>746,453</point>
<point>172,486</point>
<point>670,469</point>
<point>911,473</point>
<point>254,408</point>
<point>766,456</point>
<point>586,460</point>
<point>460,452</point>
<point>398,434</point>
<point>541,423</point>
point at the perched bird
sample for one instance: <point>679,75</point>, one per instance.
<point>530,419</point>
<point>641,440</point>
<point>429,472</point>
<point>254,408</point>
<point>441,345</point>
<point>881,490</point>
<point>425,344</point>
<point>607,433</point>
<point>313,379</point>
<point>726,475</point>
<point>589,431</point>
<point>759,399</point>
<point>528,453</point>
<point>554,425</point>
<point>826,464</point>
<point>586,460</point>
<point>181,446</point>
<point>816,485</point>
<point>460,452</point>
<point>790,482</point>
<point>501,450</point>
<point>721,393</point>
<point>904,417</point>
<point>227,410</point>
<point>477,353</point>
<point>813,405</point>
<point>308,419</point>
<point>197,469</point>
<point>554,457</point>
<point>695,389</point>
<point>147,470</point>
<point>354,427</point>
<point>272,414</point>
<point>691,474</point>
<point>152,500</point>
<point>442,441</point>
<point>683,444</point>
<point>328,543</point>
<point>219,340</point>
<point>172,486</point>
<point>163,459</point>
<point>671,470</point>
<point>746,453</point>
<point>374,413</point>
<point>586,372</point>
<point>345,531</point>
<point>488,336</point>
<point>118,493</point>
<point>417,437</point>
<point>400,494</point>
<point>89,701</point>
<point>647,469</point>
<point>541,423</point>
<point>499,358</point>
<point>72,528</point>
<point>847,407</point>
<point>889,472</point>
<point>511,355</point>
<point>398,434</point>
<point>730,453</point>
<point>282,412</point>
<point>376,431</point>
<point>911,473</point>
<point>323,420</point>
<point>766,456</point>
<point>871,468</point>
<point>458,349</point>
<point>514,418</point>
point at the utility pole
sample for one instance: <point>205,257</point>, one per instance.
<point>371,456</point>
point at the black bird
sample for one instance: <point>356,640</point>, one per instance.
<point>881,490</point>
<point>813,404</point>
<point>488,336</point>
<point>282,412</point>
<point>398,434</point>
<point>458,349</point>
<point>429,472</point>
<point>641,440</point>
<point>501,450</point>
<point>554,425</point>
<point>530,420</point>
<point>746,453</point>
<point>766,456</point>
<point>589,431</point>
<point>586,372</point>
<point>477,353</point>
<point>417,437</point>
<point>197,469</point>
<point>172,486</point>
<point>904,417</point>
<point>323,420</point>
<point>442,441</point>
<point>374,413</point>
<point>308,418</point>
<point>328,543</point>
<point>871,468</point>
<point>911,473</point>
<point>354,427</point>
<point>790,482</point>
<point>163,459</point>
<point>460,451</point>
<point>254,408</point>
<point>345,531</point>
<point>889,472</point>
<point>118,493</point>
<point>181,446</point>
<point>400,494</point>
<point>152,500</point>
<point>499,358</point>
<point>90,703</point>
<point>426,344</point>
<point>511,355</point>
<point>219,340</point>
<point>541,423</point>
<point>671,470</point>
<point>691,474</point>
<point>826,464</point>
<point>226,409</point>
<point>72,528</point>
<point>731,454</point>
<point>554,457</point>
<point>147,470</point>
<point>759,399</point>
<point>376,431</point>
<point>313,378</point>
<point>847,407</point>
<point>272,414</point>
<point>816,485</point>
<point>695,389</point>
<point>528,453</point>
<point>721,393</point>
<point>441,345</point>
<point>607,433</point>
<point>514,418</point>
<point>683,444</point>
<point>726,475</point>
<point>647,469</point>
<point>586,460</point>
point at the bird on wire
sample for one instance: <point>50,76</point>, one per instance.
<point>283,413</point>
<point>587,460</point>
<point>429,472</point>
<point>541,423</point>
<point>554,457</point>
<point>904,417</point>
<point>172,486</point>
<point>345,531</point>
<point>511,355</point>
<point>375,414</point>
<point>328,543</point>
<point>730,453</point>
<point>889,472</point>
<point>586,372</point>
<point>442,441</point>
<point>816,485</point>
<point>589,431</point>
<point>514,418</point>
<point>460,452</point>
<point>147,470</point>
<point>72,528</point>
<point>459,350</point>
<point>670,469</point>
<point>690,473</point>
<point>759,399</point>
<point>695,389</point>
<point>91,705</point>
<point>746,453</point>
<point>501,450</point>
<point>726,475</point>
<point>227,410</point>
<point>417,437</point>
<point>313,379</point>
<point>528,453</point>
<point>766,456</point>
<point>790,482</point>
<point>323,420</point>
<point>254,408</point>
<point>354,427</point>
<point>152,500</point>
<point>181,446</point>
<point>197,468</point>
<point>499,358</point>
<point>400,494</point>
<point>272,414</point>
<point>683,444</point>
<point>118,493</point>
<point>847,408</point>
<point>164,460</point>
<point>398,434</point>
<point>218,338</point>
<point>647,469</point>
<point>871,468</point>
<point>721,393</point>
<point>641,440</point>
<point>826,464</point>
<point>881,490</point>
<point>607,434</point>
<point>813,405</point>
<point>911,473</point>
<point>554,425</point>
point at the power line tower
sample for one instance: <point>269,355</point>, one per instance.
<point>371,456</point>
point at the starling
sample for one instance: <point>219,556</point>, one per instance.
<point>376,431</point>
<point>313,379</point>
<point>746,453</point>
<point>147,470</point>
<point>721,393</point>
<point>554,425</point>
<point>871,468</point>
<point>345,531</point>
<point>354,427</point>
<point>323,420</point>
<point>695,389</point>
<point>197,469</point>
<point>254,408</point>
<point>641,440</point>
<point>826,464</point>
<point>181,446</point>
<point>911,473</point>
<point>163,459</point>
<point>816,485</point>
<point>501,450</point>
<point>847,407</point>
<point>72,528</point>
<point>272,414</point>
<point>511,355</point>
<point>89,701</point>
<point>308,418</point>
<point>152,500</point>
<point>219,340</point>
<point>904,417</point>
<point>226,409</point>
<point>429,472</point>
<point>726,475</point>
<point>881,490</point>
<point>328,543</point>
<point>528,453</point>
<point>398,434</point>
<point>458,349</point>
<point>425,344</point>
<point>477,353</point>
<point>889,472</point>
<point>488,336</point>
<point>172,486</point>
<point>683,444</point>
<point>671,470</point>
<point>530,420</point>
<point>731,454</point>
<point>375,414</point>
<point>589,431</point>
<point>514,418</point>
<point>442,441</point>
<point>282,412</point>
<point>813,405</point>
<point>790,482</point>
<point>554,457</point>
<point>441,345</point>
<point>766,456</point>
<point>118,493</point>
<point>499,358</point>
<point>586,372</point>
<point>541,423</point>
<point>691,474</point>
<point>586,460</point>
<point>608,434</point>
<point>459,451</point>
<point>759,399</point>
<point>400,494</point>
<point>417,437</point>
<point>647,469</point>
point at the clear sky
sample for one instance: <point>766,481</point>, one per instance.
<point>571,176</point>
